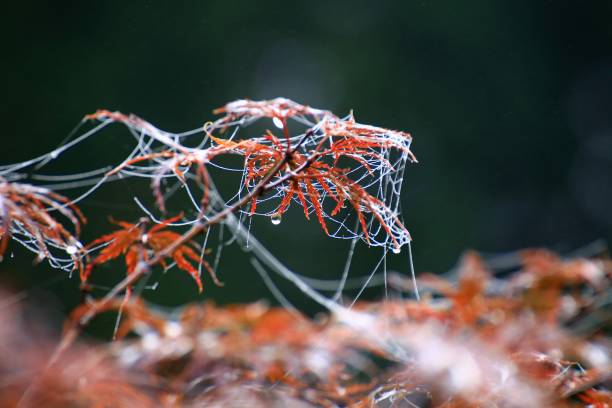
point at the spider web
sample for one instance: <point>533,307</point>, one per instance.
<point>383,177</point>
<point>165,159</point>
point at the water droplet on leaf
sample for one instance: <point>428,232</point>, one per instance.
<point>278,122</point>
<point>275,219</point>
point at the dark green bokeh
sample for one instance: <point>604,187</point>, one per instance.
<point>509,103</point>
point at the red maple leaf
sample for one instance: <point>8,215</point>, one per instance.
<point>137,243</point>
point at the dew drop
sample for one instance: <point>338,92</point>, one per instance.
<point>144,238</point>
<point>173,329</point>
<point>54,154</point>
<point>396,249</point>
<point>275,219</point>
<point>71,249</point>
<point>278,122</point>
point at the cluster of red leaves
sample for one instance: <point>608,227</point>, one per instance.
<point>281,108</point>
<point>309,176</point>
<point>484,342</point>
<point>174,159</point>
<point>27,210</point>
<point>310,173</point>
<point>137,243</point>
<point>85,377</point>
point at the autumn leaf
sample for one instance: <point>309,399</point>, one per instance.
<point>137,243</point>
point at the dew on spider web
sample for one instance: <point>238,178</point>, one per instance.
<point>278,122</point>
<point>247,242</point>
<point>276,219</point>
<point>378,171</point>
<point>71,249</point>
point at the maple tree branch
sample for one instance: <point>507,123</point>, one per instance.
<point>143,267</point>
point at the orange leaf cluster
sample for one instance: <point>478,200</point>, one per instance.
<point>136,243</point>
<point>319,164</point>
<point>27,211</point>
<point>281,108</point>
<point>482,343</point>
<point>313,173</point>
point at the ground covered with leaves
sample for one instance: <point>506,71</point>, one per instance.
<point>536,337</point>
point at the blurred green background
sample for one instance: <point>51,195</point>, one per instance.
<point>509,103</point>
